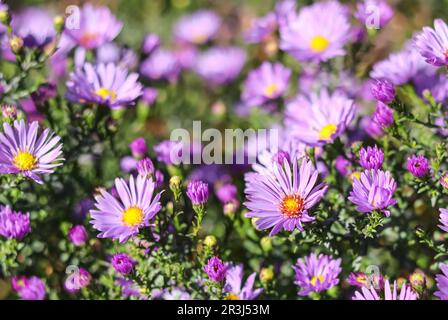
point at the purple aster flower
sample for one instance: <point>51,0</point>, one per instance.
<point>266,83</point>
<point>128,164</point>
<point>418,166</point>
<point>220,65</point>
<point>402,67</point>
<point>433,43</point>
<point>316,273</point>
<point>280,199</point>
<point>23,151</point>
<point>14,224</point>
<point>123,263</point>
<point>226,193</point>
<point>215,269</point>
<point>138,147</point>
<point>371,158</point>
<point>444,220</point>
<point>442,283</point>
<point>35,26</point>
<point>186,55</point>
<point>383,90</point>
<point>145,167</point>
<point>103,84</point>
<point>130,289</point>
<point>97,26</point>
<point>168,152</point>
<point>161,65</point>
<point>150,43</point>
<point>197,28</point>
<point>368,8</point>
<point>159,178</point>
<point>79,279</point>
<point>123,217</point>
<point>150,95</point>
<point>78,235</point>
<point>318,33</point>
<point>113,53</point>
<point>285,11</point>
<point>234,287</point>
<point>374,191</point>
<point>357,279</point>
<point>261,28</point>
<point>197,191</point>
<point>44,93</point>
<point>343,165</point>
<point>383,116</point>
<point>319,119</point>
<point>29,288</point>
<point>371,293</point>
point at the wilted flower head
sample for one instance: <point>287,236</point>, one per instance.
<point>104,84</point>
<point>444,220</point>
<point>418,166</point>
<point>442,283</point>
<point>198,27</point>
<point>13,224</point>
<point>78,235</point>
<point>197,191</point>
<point>79,279</point>
<point>123,217</point>
<point>220,65</point>
<point>281,199</point>
<point>234,288</point>
<point>383,116</point>
<point>161,65</point>
<point>383,90</point>
<point>371,158</point>
<point>319,119</point>
<point>29,288</point>
<point>374,190</point>
<point>367,8</point>
<point>266,83</point>
<point>215,269</point>
<point>433,43</point>
<point>9,112</point>
<point>23,151</point>
<point>97,26</point>
<point>316,273</point>
<point>318,33</point>
<point>123,263</point>
<point>35,26</point>
<point>371,293</point>
<point>138,147</point>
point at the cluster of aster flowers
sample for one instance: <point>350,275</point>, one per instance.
<point>98,200</point>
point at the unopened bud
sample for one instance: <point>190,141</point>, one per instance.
<point>418,280</point>
<point>16,44</point>
<point>175,183</point>
<point>210,241</point>
<point>59,23</point>
<point>266,275</point>
<point>266,244</point>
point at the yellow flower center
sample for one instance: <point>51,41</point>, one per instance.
<point>319,44</point>
<point>361,279</point>
<point>327,132</point>
<point>232,296</point>
<point>292,206</point>
<point>314,279</point>
<point>25,161</point>
<point>133,217</point>
<point>199,39</point>
<point>105,94</point>
<point>270,90</point>
<point>355,175</point>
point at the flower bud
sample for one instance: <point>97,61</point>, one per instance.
<point>59,23</point>
<point>266,275</point>
<point>210,241</point>
<point>16,44</point>
<point>266,244</point>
